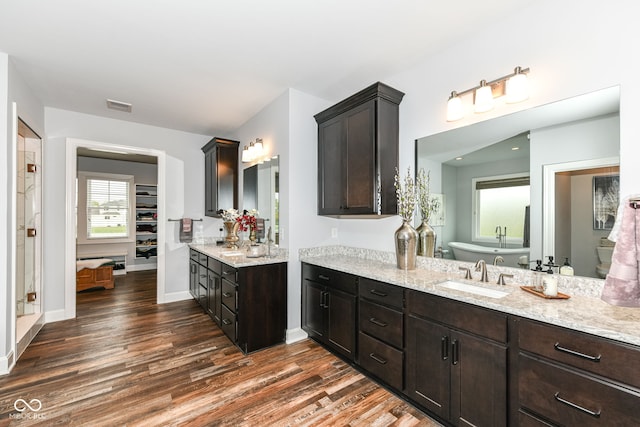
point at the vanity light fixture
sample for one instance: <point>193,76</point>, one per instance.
<point>513,85</point>
<point>252,152</point>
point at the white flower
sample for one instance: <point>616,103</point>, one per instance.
<point>426,203</point>
<point>229,214</point>
<point>405,195</point>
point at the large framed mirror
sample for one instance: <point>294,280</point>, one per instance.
<point>531,173</point>
<point>261,191</point>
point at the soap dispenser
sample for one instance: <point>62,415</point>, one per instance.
<point>538,276</point>
<point>566,269</point>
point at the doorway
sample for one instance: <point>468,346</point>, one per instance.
<point>74,146</point>
<point>28,290</point>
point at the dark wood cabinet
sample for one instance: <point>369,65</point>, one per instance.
<point>566,377</point>
<point>451,370</point>
<point>220,175</point>
<point>329,308</point>
<point>358,153</point>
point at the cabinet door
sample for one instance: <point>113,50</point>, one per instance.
<point>313,309</point>
<point>428,365</point>
<point>227,177</point>
<point>211,294</point>
<point>193,278</point>
<point>478,381</point>
<point>331,161</point>
<point>341,322</point>
<point>210,171</point>
<point>359,170</point>
<point>217,290</point>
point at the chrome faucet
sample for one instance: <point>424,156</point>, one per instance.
<point>497,259</point>
<point>502,237</point>
<point>481,266</point>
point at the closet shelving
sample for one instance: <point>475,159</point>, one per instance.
<point>146,221</point>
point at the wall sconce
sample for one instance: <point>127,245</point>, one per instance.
<point>513,85</point>
<point>253,151</point>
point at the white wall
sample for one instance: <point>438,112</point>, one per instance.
<point>184,192</point>
<point>572,47</point>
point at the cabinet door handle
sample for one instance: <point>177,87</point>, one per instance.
<point>226,321</point>
<point>323,277</point>
<point>444,347</point>
<point>378,322</point>
<point>326,300</point>
<point>377,293</point>
<point>455,349</point>
<point>377,358</point>
<point>193,268</point>
<point>576,406</point>
<point>226,295</point>
<point>558,347</point>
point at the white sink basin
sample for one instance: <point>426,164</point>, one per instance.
<point>473,289</point>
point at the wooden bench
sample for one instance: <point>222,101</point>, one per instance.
<point>100,276</point>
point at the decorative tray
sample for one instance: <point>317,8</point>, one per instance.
<point>533,291</point>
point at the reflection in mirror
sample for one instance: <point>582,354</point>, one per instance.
<point>482,169</point>
<point>261,191</point>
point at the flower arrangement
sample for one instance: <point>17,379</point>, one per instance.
<point>426,204</point>
<point>248,220</point>
<point>405,195</point>
<point>229,215</point>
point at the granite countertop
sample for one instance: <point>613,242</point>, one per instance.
<point>581,312</point>
<point>239,257</point>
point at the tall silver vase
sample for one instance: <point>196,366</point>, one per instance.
<point>426,239</point>
<point>406,242</point>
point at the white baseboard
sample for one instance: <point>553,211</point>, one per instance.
<point>6,363</point>
<point>295,335</point>
<point>141,267</point>
<point>177,296</point>
<point>54,316</point>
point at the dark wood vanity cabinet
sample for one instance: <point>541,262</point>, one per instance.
<point>456,360</point>
<point>566,377</point>
<point>358,153</point>
<point>249,303</point>
<point>220,175</point>
<point>329,308</point>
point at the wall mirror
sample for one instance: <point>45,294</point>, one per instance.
<point>558,151</point>
<point>261,191</point>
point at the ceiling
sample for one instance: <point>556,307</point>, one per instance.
<point>207,66</point>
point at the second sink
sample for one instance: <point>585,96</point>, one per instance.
<point>473,289</point>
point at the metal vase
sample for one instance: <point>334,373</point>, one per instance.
<point>231,228</point>
<point>426,239</point>
<point>406,242</point>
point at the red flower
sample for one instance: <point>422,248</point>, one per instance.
<point>247,222</point>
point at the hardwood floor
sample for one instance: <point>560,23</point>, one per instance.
<point>127,361</point>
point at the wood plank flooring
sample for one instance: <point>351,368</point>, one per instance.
<point>127,361</point>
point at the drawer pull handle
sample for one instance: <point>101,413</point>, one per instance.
<point>558,347</point>
<point>444,349</point>
<point>226,295</point>
<point>377,358</point>
<point>226,321</point>
<point>378,322</point>
<point>226,273</point>
<point>377,293</point>
<point>575,406</point>
<point>323,277</point>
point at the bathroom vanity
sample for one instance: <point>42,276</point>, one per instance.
<point>246,297</point>
<point>471,359</point>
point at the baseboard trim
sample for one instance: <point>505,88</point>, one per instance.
<point>295,335</point>
<point>141,267</point>
<point>6,363</point>
<point>177,296</point>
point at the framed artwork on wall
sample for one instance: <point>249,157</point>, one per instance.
<point>606,193</point>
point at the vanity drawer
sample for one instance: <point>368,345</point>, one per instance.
<point>597,355</point>
<point>194,255</point>
<point>202,259</point>
<point>214,265</point>
<point>571,398</point>
<point>228,324</point>
<point>229,273</point>
<point>480,321</point>
<point>381,322</point>
<point>202,275</point>
<point>336,279</point>
<point>382,360</point>
<point>382,293</point>
<point>230,295</point>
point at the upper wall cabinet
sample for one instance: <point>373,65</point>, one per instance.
<point>220,175</point>
<point>358,154</point>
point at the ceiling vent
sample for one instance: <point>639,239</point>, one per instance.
<point>119,105</point>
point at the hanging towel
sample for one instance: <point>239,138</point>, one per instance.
<point>186,230</point>
<point>622,285</point>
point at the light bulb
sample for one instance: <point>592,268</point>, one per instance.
<point>245,154</point>
<point>454,108</point>
<point>517,87</point>
<point>484,98</point>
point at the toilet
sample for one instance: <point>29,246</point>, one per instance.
<point>605,252</point>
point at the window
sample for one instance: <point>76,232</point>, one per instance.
<point>500,201</point>
<point>104,206</point>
